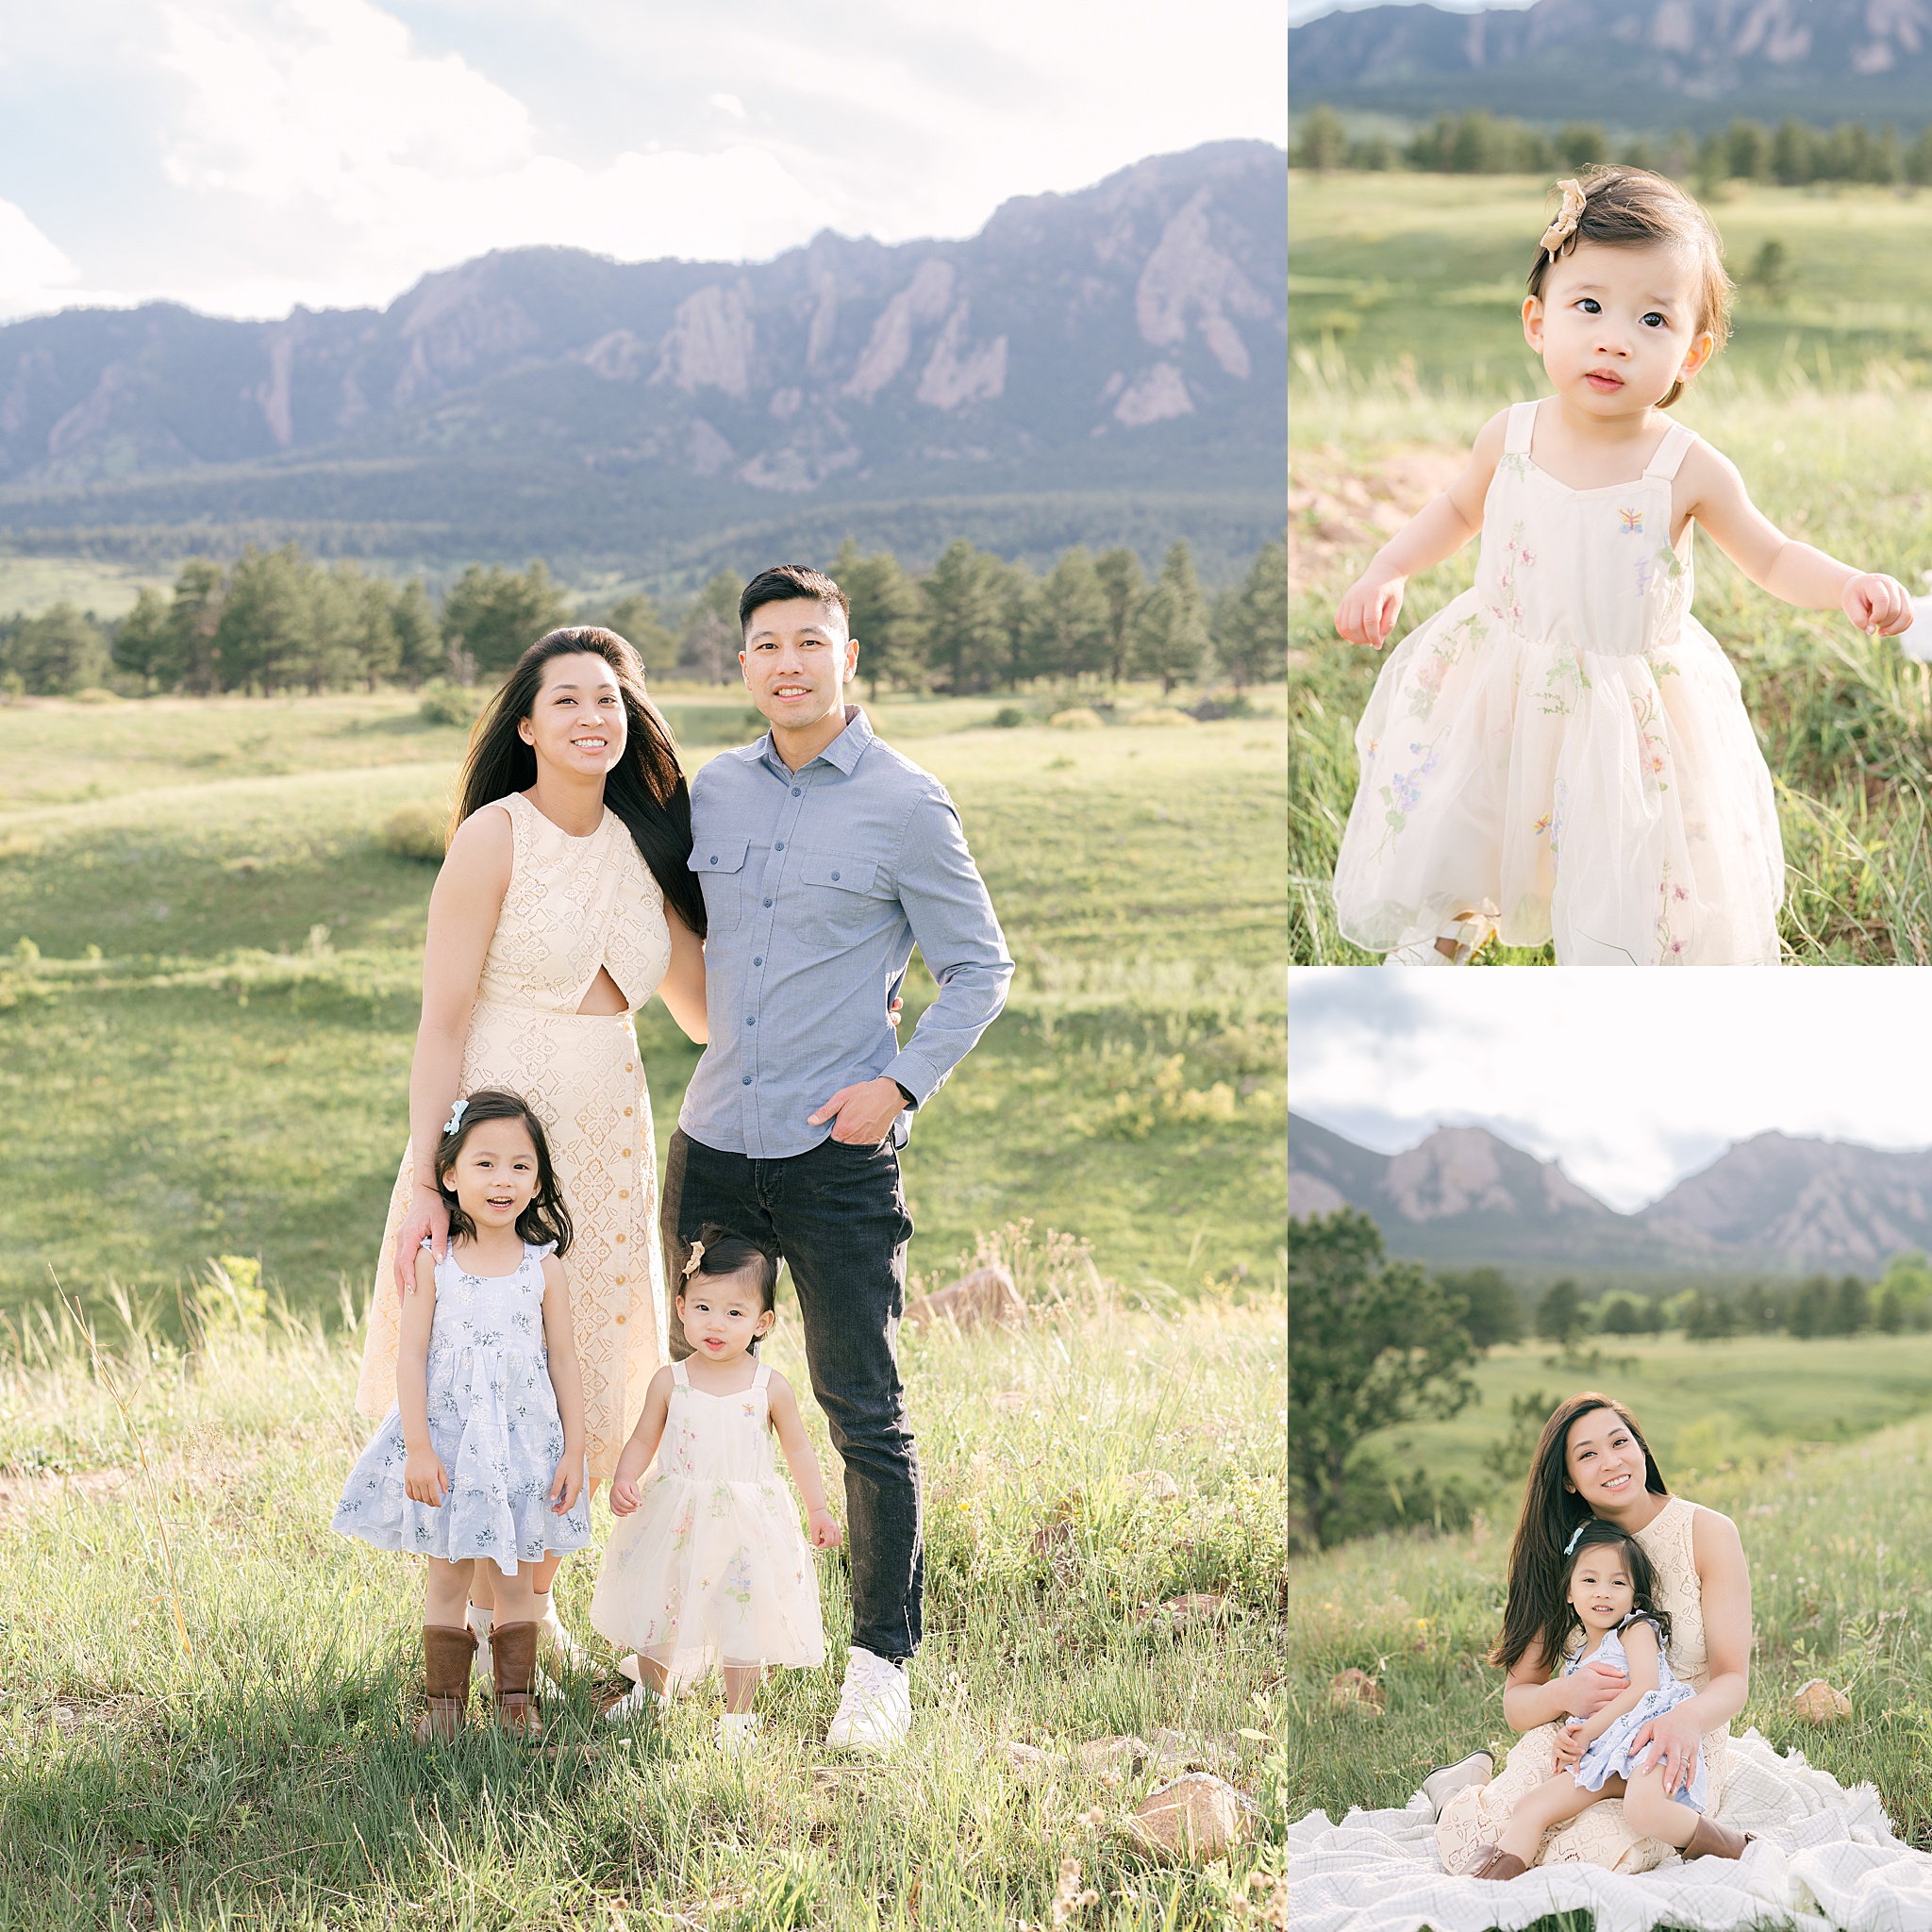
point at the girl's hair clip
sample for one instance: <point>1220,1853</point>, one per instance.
<point>1560,230</point>
<point>456,1118</point>
<point>697,1255</point>
<point>1577,1537</point>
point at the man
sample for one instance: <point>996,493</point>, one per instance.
<point>825,856</point>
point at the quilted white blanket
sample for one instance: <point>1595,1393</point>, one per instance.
<point>1827,1858</point>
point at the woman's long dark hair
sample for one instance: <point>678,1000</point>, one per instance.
<point>1600,1533</point>
<point>546,1218</point>
<point>1537,1615</point>
<point>645,789</point>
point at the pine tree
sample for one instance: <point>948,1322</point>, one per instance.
<point>636,621</point>
<point>888,617</point>
<point>141,638</point>
<point>1251,639</point>
<point>711,636</point>
<point>1070,635</point>
<point>420,652</point>
<point>1125,584</point>
<point>60,651</point>
<point>966,618</point>
<point>1170,634</point>
<point>492,616</point>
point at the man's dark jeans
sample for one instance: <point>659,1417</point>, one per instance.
<point>838,1215</point>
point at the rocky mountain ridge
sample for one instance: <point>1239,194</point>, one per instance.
<point>1637,63</point>
<point>1130,336</point>
<point>1777,1203</point>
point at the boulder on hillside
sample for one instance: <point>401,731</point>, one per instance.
<point>986,1295</point>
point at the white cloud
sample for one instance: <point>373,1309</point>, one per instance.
<point>1632,1080</point>
<point>321,111</point>
<point>730,104</point>
<point>34,275</point>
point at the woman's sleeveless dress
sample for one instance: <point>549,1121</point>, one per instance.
<point>1607,1755</point>
<point>1477,1815</point>
<point>712,1565</point>
<point>571,905</point>
<point>1563,748</point>
<point>492,1422</point>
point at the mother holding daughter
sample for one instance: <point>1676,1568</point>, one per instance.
<point>1624,1600</point>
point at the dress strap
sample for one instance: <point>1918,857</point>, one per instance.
<point>1519,429</point>
<point>1669,454</point>
<point>762,1379</point>
<point>679,1377</point>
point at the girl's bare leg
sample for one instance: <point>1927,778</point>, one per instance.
<point>742,1685</point>
<point>1554,1802</point>
<point>1655,1815</point>
<point>445,1586</point>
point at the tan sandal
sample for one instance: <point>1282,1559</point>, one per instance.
<point>1493,1862</point>
<point>513,1659</point>
<point>446,1657</point>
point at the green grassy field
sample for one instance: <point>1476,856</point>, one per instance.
<point>260,1774</point>
<point>208,975</point>
<point>1405,339</point>
<point>1839,1544</point>
<point>1707,1407</point>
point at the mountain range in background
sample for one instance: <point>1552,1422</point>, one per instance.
<point>1648,64</point>
<point>1106,366</point>
<point>1774,1203</point>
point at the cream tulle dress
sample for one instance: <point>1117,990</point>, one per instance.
<point>1563,748</point>
<point>712,1567</point>
<point>1476,1816</point>
<point>571,905</point>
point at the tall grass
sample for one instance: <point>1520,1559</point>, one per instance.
<point>260,1773</point>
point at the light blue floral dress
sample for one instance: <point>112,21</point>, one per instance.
<point>492,1421</point>
<point>1608,1756</point>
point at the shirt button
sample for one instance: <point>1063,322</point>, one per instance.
<point>714,858</point>
<point>627,1113</point>
<point>626,1066</point>
<point>626,1153</point>
<point>620,1237</point>
<point>835,874</point>
<point>767,901</point>
<point>755,961</point>
<point>747,1081</point>
<point>795,793</point>
<point>753,1022</point>
<point>623,1195</point>
<point>621,1279</point>
<point>779,846</point>
<point>619,1319</point>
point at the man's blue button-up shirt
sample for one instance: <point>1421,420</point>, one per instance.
<point>817,884</point>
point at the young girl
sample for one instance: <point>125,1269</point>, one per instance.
<point>1609,1585</point>
<point>706,1562</point>
<point>1561,752</point>
<point>482,1453</point>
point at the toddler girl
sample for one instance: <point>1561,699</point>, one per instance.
<point>1561,752</point>
<point>482,1455</point>
<point>1608,1583</point>
<point>707,1563</point>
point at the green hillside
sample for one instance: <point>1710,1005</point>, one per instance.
<point>210,965</point>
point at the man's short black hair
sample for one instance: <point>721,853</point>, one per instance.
<point>783,582</point>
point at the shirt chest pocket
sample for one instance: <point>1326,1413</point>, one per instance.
<point>720,867</point>
<point>843,897</point>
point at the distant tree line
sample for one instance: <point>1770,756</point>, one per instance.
<point>277,620</point>
<point>1478,143</point>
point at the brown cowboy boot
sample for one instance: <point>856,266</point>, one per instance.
<point>446,1656</point>
<point>513,1662</point>
<point>1713,1841</point>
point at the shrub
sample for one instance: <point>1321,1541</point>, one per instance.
<point>1162,714</point>
<point>1008,716</point>
<point>1081,718</point>
<point>417,830</point>
<point>449,703</point>
<point>96,694</point>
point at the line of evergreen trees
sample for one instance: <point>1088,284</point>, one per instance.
<point>1478,143</point>
<point>277,620</point>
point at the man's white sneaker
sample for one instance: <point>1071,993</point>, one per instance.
<point>564,1648</point>
<point>875,1706</point>
<point>738,1732</point>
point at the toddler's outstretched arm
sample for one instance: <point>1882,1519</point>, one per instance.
<point>567,1379</point>
<point>1797,572</point>
<point>624,1493</point>
<point>425,1479</point>
<point>820,1523</point>
<point>1370,607</point>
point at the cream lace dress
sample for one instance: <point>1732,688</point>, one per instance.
<point>1564,747</point>
<point>1476,1816</point>
<point>571,905</point>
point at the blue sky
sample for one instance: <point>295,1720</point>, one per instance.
<point>245,155</point>
<point>1631,1079</point>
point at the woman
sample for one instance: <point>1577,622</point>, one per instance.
<point>564,902</point>
<point>1592,1461</point>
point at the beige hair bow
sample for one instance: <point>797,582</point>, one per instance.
<point>697,1255</point>
<point>1560,230</point>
